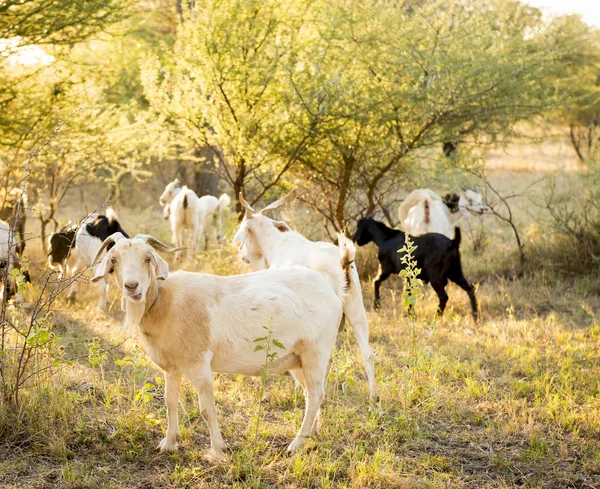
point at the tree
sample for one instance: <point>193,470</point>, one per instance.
<point>226,89</point>
<point>391,83</point>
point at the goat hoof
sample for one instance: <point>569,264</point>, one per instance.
<point>375,398</point>
<point>165,446</point>
<point>215,456</point>
<point>297,444</point>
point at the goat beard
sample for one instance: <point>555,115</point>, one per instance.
<point>134,312</point>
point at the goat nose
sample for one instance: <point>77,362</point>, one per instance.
<point>131,285</point>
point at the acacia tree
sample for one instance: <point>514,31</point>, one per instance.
<point>226,89</point>
<point>392,82</point>
<point>579,80</point>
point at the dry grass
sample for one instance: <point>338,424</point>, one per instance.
<point>512,401</point>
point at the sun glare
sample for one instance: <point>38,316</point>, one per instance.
<point>23,55</point>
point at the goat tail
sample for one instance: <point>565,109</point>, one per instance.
<point>185,201</point>
<point>111,214</point>
<point>427,211</point>
<point>347,256</point>
<point>224,202</point>
<point>457,238</point>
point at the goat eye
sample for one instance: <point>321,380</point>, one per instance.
<point>113,261</point>
<point>148,259</point>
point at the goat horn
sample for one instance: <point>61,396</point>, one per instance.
<point>249,209</point>
<point>277,203</point>
<point>112,239</point>
<point>157,244</point>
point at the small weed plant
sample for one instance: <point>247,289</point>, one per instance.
<point>411,287</point>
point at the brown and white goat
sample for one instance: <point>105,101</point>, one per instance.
<point>195,324</point>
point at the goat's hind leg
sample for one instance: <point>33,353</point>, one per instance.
<point>464,284</point>
<point>298,375</point>
<point>314,368</point>
<point>440,290</point>
<point>354,310</point>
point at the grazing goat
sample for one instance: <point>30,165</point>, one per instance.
<point>265,243</point>
<point>12,211</point>
<point>424,211</point>
<point>437,257</point>
<point>185,210</point>
<point>195,324</point>
<point>88,240</point>
<point>60,245</point>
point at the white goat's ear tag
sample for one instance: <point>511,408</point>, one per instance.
<point>281,226</point>
<point>161,268</point>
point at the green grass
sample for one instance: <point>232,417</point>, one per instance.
<point>510,401</point>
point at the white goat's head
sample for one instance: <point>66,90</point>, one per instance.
<point>171,190</point>
<point>253,225</point>
<point>134,264</point>
<point>472,203</point>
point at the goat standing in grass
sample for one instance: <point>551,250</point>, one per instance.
<point>265,243</point>
<point>423,211</point>
<point>437,257</point>
<point>91,233</point>
<point>195,324</point>
<point>185,210</point>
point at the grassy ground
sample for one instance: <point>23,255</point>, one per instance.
<point>511,401</point>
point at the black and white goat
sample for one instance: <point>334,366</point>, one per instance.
<point>60,245</point>
<point>88,240</point>
<point>437,257</point>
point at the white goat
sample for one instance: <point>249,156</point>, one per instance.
<point>265,243</point>
<point>424,211</point>
<point>195,324</point>
<point>185,210</point>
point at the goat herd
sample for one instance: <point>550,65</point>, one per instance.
<point>194,324</point>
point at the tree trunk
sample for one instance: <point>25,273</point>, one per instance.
<point>206,180</point>
<point>238,186</point>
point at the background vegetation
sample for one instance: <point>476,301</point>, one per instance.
<point>354,104</point>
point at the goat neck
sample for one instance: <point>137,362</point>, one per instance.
<point>381,233</point>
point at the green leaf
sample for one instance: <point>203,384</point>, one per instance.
<point>278,344</point>
<point>259,347</point>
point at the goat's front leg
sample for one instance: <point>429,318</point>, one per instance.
<point>202,379</point>
<point>382,276</point>
<point>172,385</point>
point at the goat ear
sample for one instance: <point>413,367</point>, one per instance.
<point>281,226</point>
<point>102,269</point>
<point>161,267</point>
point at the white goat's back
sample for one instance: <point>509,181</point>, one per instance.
<point>423,211</point>
<point>183,208</point>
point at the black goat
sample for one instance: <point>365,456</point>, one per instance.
<point>60,245</point>
<point>437,257</point>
